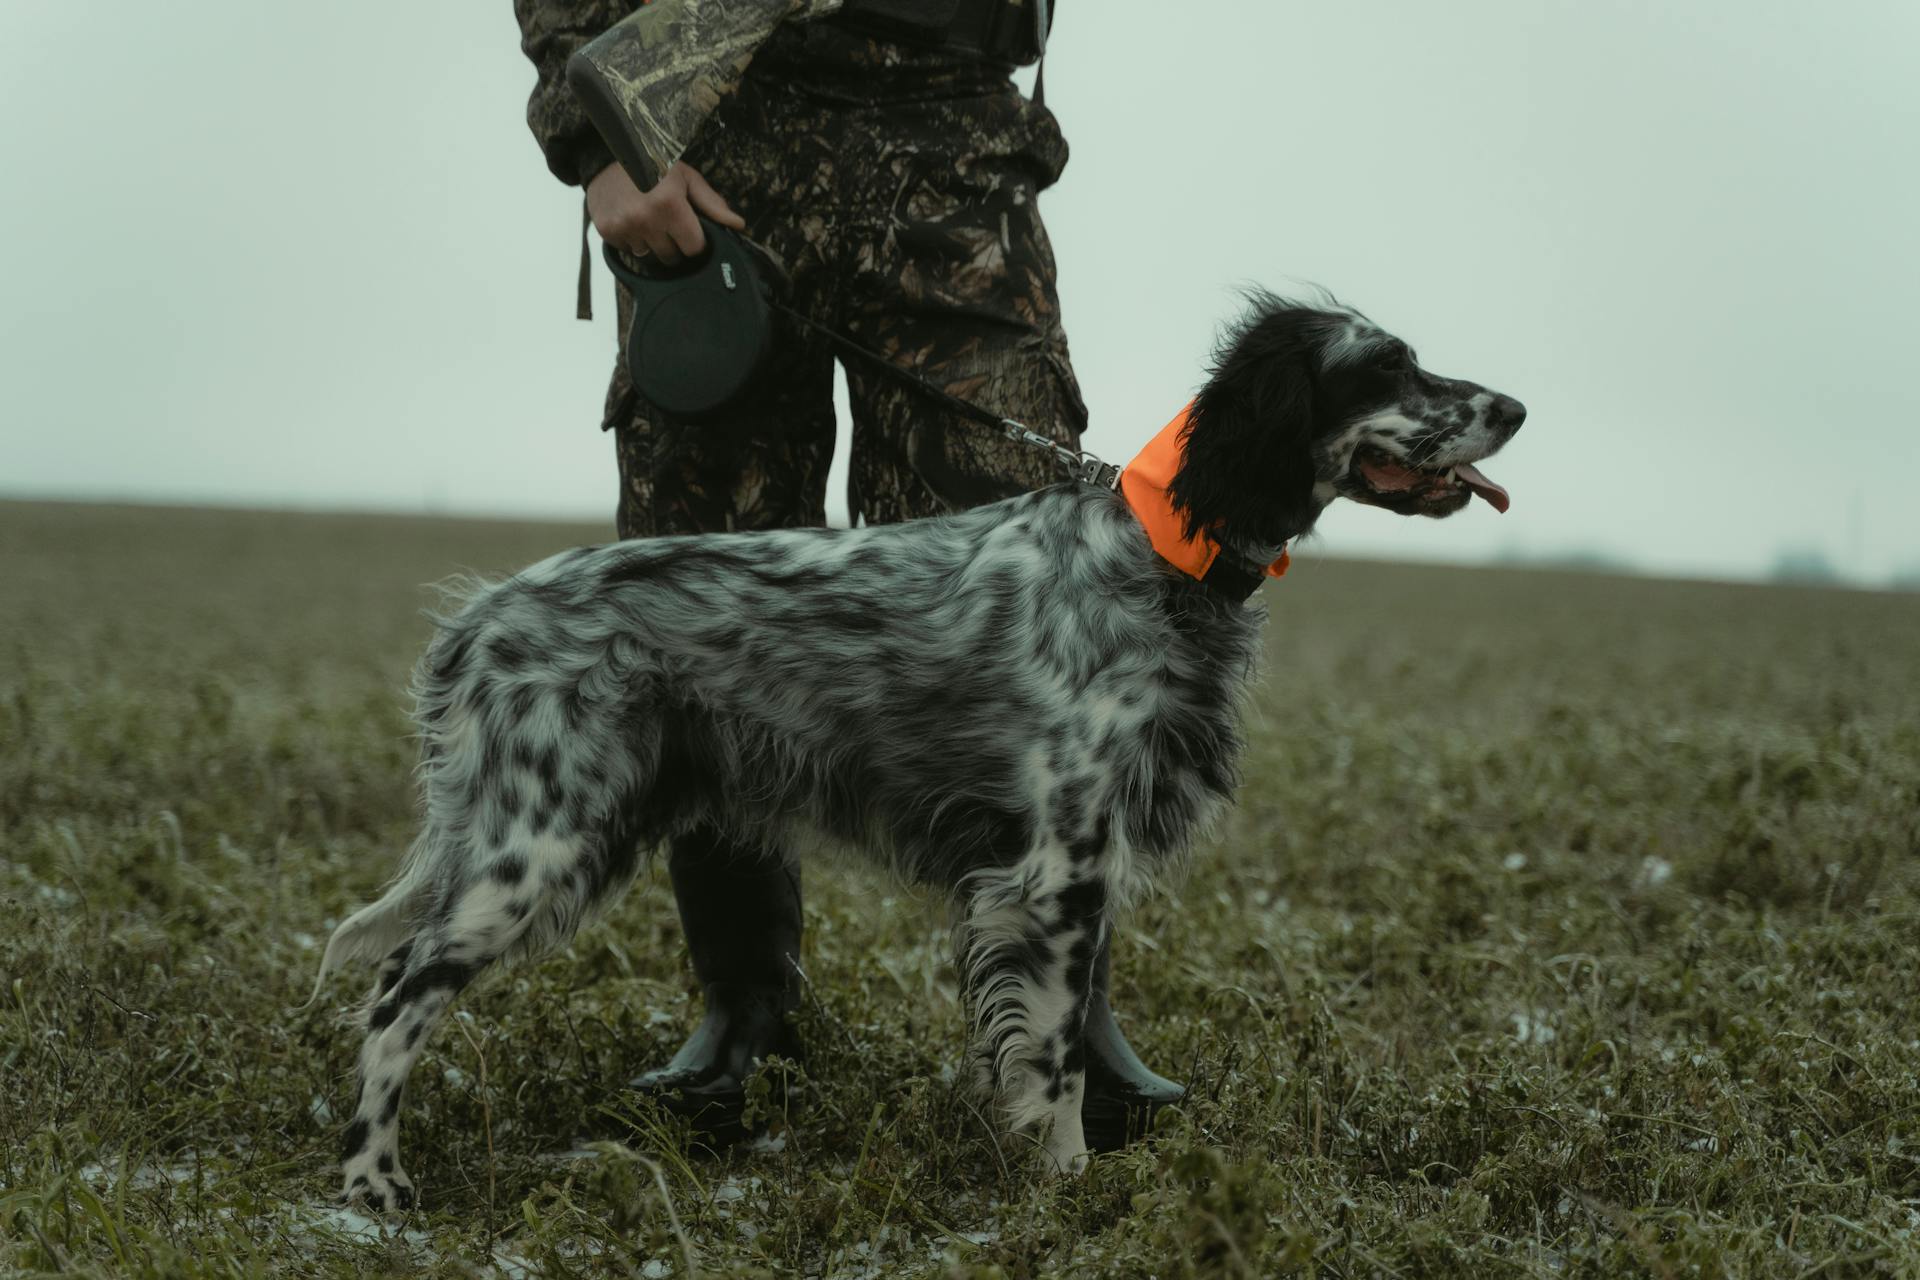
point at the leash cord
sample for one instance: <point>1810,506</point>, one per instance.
<point>1077,463</point>
<point>1230,574</point>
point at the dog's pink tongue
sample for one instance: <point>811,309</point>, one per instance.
<point>1496,496</point>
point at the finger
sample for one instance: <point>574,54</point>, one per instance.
<point>712,203</point>
<point>684,229</point>
<point>661,248</point>
<point>623,235</point>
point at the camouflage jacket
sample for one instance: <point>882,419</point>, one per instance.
<point>695,52</point>
<point>689,54</point>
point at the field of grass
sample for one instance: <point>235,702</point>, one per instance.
<point>1567,926</point>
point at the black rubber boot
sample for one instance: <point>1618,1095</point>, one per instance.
<point>1122,1094</point>
<point>740,910</point>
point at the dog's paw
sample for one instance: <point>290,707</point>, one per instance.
<point>367,1187</point>
<point>1066,1161</point>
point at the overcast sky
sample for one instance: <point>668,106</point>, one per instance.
<point>309,254</point>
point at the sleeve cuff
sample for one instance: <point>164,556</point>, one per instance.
<point>590,156</point>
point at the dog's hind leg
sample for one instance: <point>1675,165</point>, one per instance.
<point>467,930</point>
<point>1029,941</point>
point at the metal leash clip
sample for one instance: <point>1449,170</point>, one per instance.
<point>1079,464</point>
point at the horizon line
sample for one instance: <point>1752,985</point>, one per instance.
<point>1589,560</point>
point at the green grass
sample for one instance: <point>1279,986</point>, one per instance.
<point>1567,926</point>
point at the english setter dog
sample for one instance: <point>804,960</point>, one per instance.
<point>1025,705</point>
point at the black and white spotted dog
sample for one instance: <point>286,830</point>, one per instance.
<point>1022,705</point>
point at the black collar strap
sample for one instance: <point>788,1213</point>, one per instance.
<point>1233,578</point>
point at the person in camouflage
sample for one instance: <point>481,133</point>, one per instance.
<point>894,188</point>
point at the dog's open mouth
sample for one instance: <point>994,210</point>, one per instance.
<point>1392,483</point>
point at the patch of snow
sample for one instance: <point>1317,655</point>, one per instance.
<point>1533,1026</point>
<point>142,1176</point>
<point>351,1224</point>
<point>572,1153</point>
<point>1653,873</point>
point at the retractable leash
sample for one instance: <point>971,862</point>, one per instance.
<point>701,334</point>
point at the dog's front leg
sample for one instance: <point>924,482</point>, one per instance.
<point>1029,941</point>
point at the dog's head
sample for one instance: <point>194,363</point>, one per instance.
<point>1306,404</point>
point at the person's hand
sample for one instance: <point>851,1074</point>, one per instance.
<point>660,222</point>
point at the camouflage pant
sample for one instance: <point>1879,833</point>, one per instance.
<point>897,192</point>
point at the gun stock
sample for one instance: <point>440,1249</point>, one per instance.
<point>650,80</point>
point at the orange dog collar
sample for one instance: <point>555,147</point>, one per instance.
<point>1143,483</point>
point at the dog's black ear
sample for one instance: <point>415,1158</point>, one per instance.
<point>1247,469</point>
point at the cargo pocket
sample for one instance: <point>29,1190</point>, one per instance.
<point>1046,152</point>
<point>964,463</point>
<point>617,411</point>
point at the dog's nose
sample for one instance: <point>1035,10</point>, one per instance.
<point>1507,414</point>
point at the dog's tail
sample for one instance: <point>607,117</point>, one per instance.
<point>375,929</point>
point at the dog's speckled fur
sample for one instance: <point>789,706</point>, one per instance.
<point>1021,705</point>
